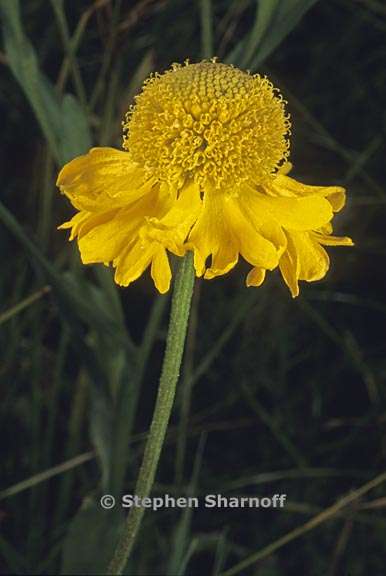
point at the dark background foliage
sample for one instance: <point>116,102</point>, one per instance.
<point>277,395</point>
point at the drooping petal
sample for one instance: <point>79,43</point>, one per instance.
<point>211,237</point>
<point>185,210</point>
<point>329,240</point>
<point>133,261</point>
<point>289,268</point>
<point>223,232</point>
<point>76,223</point>
<point>102,179</point>
<point>255,277</point>
<point>256,249</point>
<point>313,259</point>
<point>285,186</point>
<point>138,235</point>
<point>337,198</point>
<point>173,227</point>
<point>136,258</point>
<point>261,220</point>
<point>104,235</point>
<point>160,270</point>
<point>295,213</point>
<point>304,259</point>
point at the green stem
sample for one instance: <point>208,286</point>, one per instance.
<point>186,388</point>
<point>207,29</point>
<point>179,315</point>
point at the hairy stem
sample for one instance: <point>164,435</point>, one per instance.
<point>179,315</point>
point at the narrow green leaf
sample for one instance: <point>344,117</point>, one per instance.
<point>90,540</point>
<point>221,553</point>
<point>25,303</point>
<point>62,120</point>
<point>274,20</point>
<point>129,393</point>
<point>23,63</point>
<point>206,29</point>
<point>14,561</point>
<point>74,131</point>
<point>184,545</point>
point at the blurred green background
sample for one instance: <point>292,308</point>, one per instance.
<point>277,395</point>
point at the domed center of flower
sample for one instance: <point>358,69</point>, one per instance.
<point>209,122</point>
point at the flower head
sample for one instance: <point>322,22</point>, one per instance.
<point>204,168</point>
<point>209,123</point>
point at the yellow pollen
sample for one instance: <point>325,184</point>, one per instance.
<point>208,122</point>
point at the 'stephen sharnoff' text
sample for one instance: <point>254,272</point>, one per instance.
<point>208,501</point>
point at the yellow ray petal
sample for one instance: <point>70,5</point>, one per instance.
<point>131,264</point>
<point>328,240</point>
<point>313,259</point>
<point>222,232</point>
<point>223,259</point>
<point>256,249</point>
<point>304,259</point>
<point>160,270</point>
<point>286,186</point>
<point>103,235</point>
<point>76,223</point>
<point>185,210</point>
<point>102,179</point>
<point>305,213</point>
<point>255,277</point>
<point>262,222</point>
<point>289,267</point>
<point>210,237</point>
<point>173,227</point>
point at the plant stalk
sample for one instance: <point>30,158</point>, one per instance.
<point>179,315</point>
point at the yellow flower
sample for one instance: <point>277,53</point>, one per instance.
<point>204,168</point>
